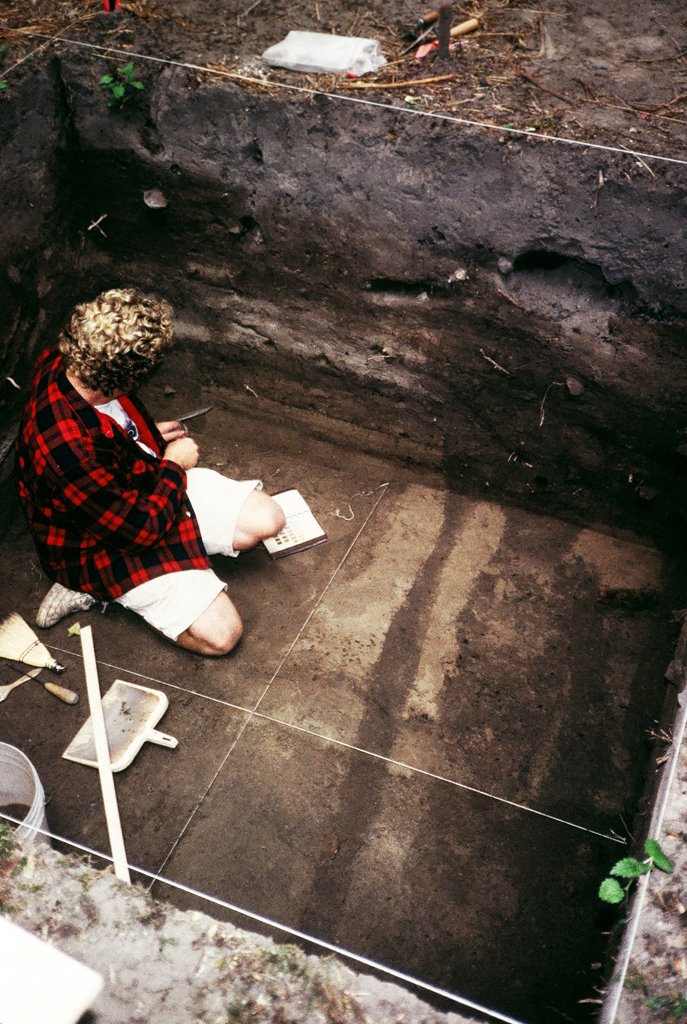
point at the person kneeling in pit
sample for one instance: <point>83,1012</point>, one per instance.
<point>117,507</point>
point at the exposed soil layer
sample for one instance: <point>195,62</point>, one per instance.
<point>492,325</point>
<point>482,307</point>
<point>498,659</point>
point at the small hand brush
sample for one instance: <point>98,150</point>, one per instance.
<point>18,642</point>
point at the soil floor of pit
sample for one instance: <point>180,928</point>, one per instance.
<point>360,767</point>
<point>160,965</point>
<point>616,75</point>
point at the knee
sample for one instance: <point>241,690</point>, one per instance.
<point>268,519</point>
<point>274,519</point>
<point>226,637</point>
<point>261,517</point>
<point>216,632</point>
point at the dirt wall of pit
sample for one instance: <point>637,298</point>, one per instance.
<point>430,282</point>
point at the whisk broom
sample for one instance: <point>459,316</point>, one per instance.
<point>18,642</point>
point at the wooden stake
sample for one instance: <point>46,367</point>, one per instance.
<point>114,826</point>
<point>444,31</point>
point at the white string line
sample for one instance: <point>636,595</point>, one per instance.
<point>370,103</point>
<point>6,71</point>
<point>244,726</point>
<point>50,39</point>
<point>612,836</point>
<point>349,746</point>
<point>357,957</point>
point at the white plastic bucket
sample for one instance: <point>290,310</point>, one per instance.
<point>19,784</point>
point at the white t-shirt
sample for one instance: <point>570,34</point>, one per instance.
<point>115,410</point>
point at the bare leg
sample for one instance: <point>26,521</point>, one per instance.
<point>216,631</point>
<point>219,628</point>
<point>260,518</point>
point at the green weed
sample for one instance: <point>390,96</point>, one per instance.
<point>19,867</point>
<point>7,843</point>
<point>675,1004</point>
<point>285,960</point>
<point>240,1010</point>
<point>634,980</point>
<point>629,868</point>
<point>120,85</point>
<point>32,888</point>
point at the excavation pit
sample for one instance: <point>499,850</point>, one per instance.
<point>468,357</point>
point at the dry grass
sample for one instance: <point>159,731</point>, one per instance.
<point>484,69</point>
<point>20,18</point>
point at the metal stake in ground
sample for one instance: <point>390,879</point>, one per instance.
<point>444,30</point>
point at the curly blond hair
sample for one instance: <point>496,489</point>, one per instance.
<point>114,342</point>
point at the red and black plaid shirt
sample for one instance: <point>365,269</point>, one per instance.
<point>105,516</point>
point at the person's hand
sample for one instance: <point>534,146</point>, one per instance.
<point>172,430</point>
<point>184,452</point>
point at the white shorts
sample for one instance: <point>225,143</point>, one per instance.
<point>173,602</point>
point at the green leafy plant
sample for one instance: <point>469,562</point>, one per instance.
<point>7,843</point>
<point>32,888</point>
<point>629,868</point>
<point>3,85</point>
<point>20,865</point>
<point>676,1004</point>
<point>240,1010</point>
<point>120,85</point>
<point>635,980</point>
<point>286,959</point>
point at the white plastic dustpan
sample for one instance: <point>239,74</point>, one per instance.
<point>131,714</point>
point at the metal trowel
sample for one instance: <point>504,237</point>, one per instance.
<point>131,714</point>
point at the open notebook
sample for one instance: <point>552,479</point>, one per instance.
<point>300,531</point>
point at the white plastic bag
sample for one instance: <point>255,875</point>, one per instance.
<point>318,52</point>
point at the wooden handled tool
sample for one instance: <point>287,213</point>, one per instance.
<point>430,20</point>
<point>465,26</point>
<point>418,39</point>
<point>68,696</point>
<point>426,21</point>
<point>433,16</point>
